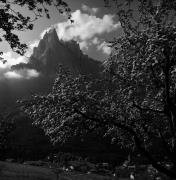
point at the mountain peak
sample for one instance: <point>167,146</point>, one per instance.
<point>51,34</point>
<point>51,37</point>
<point>52,30</point>
<point>52,51</point>
<point>49,41</point>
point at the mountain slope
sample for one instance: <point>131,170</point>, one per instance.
<point>45,59</point>
<point>51,52</point>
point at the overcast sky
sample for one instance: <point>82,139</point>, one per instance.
<point>93,26</point>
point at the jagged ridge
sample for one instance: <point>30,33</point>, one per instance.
<point>51,52</point>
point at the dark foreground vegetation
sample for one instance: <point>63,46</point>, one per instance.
<point>69,166</point>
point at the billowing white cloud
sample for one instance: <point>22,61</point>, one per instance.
<point>84,45</point>
<point>33,44</point>
<point>86,26</point>
<point>104,48</point>
<point>12,75</point>
<point>86,8</point>
<point>11,59</point>
<point>86,29</point>
<point>22,74</point>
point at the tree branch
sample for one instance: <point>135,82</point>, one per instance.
<point>168,104</point>
<point>148,109</point>
<point>137,141</point>
<point>166,146</point>
<point>156,78</point>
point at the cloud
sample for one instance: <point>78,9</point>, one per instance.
<point>86,8</point>
<point>45,31</point>
<point>104,48</point>
<point>86,29</point>
<point>22,74</point>
<point>11,60</point>
<point>84,45</point>
<point>86,26</point>
<point>33,44</point>
<point>95,41</point>
<point>12,75</point>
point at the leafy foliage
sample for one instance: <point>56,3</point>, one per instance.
<point>57,111</point>
<point>134,101</point>
<point>12,20</point>
<point>144,59</point>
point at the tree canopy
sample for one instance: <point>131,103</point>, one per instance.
<point>134,101</point>
<point>12,20</point>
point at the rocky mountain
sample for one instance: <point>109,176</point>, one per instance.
<point>52,51</point>
<point>46,57</point>
<point>26,140</point>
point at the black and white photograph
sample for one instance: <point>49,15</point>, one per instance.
<point>87,89</point>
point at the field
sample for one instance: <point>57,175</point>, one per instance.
<point>14,171</point>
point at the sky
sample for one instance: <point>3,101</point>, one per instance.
<point>93,26</point>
